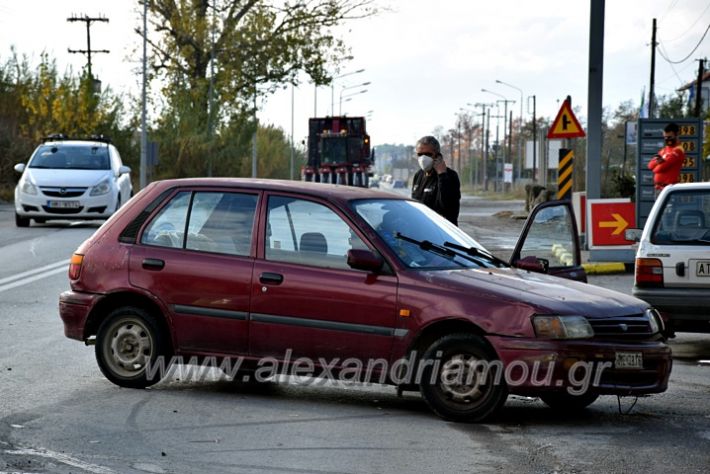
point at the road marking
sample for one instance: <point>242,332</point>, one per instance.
<point>30,276</point>
<point>62,458</point>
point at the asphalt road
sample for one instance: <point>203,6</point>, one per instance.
<point>58,414</point>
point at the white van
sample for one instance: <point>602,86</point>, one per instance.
<point>673,258</point>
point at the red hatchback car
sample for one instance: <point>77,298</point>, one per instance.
<point>276,277</point>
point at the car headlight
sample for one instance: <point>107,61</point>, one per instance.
<point>28,187</point>
<point>102,188</point>
<point>654,320</point>
<point>562,327</point>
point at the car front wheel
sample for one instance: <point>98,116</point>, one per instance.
<point>21,221</point>
<point>131,349</point>
<point>461,378</point>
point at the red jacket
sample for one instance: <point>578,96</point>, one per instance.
<point>668,171</point>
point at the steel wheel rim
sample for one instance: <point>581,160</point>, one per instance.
<point>128,347</point>
<point>463,380</point>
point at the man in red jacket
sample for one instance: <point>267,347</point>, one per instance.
<point>667,163</point>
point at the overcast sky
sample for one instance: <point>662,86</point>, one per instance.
<point>425,60</point>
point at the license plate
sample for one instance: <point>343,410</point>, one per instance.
<point>702,268</point>
<point>63,204</point>
<point>628,360</point>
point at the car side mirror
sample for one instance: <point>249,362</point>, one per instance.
<point>533,264</point>
<point>633,235</point>
<point>360,259</point>
<point>124,170</point>
<point>20,167</point>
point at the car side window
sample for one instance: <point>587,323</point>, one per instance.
<point>550,237</point>
<point>221,223</point>
<point>167,229</point>
<point>218,222</point>
<point>305,232</point>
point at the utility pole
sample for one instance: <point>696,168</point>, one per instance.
<point>653,71</point>
<point>88,20</point>
<point>144,131</point>
<point>699,89</point>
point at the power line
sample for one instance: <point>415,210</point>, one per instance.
<point>689,54</point>
<point>664,55</point>
<point>690,28</point>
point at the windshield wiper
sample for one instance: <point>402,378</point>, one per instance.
<point>690,241</point>
<point>476,252</point>
<point>439,249</point>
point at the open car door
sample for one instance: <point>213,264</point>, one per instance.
<point>549,242</point>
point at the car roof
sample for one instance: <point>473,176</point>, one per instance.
<point>334,192</point>
<point>689,186</point>
<point>91,143</point>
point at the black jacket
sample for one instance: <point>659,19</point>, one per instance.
<point>441,192</point>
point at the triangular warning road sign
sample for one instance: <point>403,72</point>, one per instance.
<point>566,124</point>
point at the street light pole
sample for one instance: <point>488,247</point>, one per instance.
<point>332,88</point>
<point>340,111</point>
<point>520,127</point>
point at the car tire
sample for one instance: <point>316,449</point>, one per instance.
<point>452,399</point>
<point>129,342</point>
<point>568,403</point>
<point>21,221</point>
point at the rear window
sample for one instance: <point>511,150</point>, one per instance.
<point>71,157</point>
<point>683,219</point>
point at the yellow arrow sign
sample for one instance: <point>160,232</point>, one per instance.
<point>618,222</point>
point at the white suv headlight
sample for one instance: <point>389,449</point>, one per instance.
<point>102,188</point>
<point>27,187</point>
<point>562,327</point>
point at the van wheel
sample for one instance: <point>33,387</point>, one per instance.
<point>568,403</point>
<point>21,221</point>
<point>462,379</point>
<point>129,344</point>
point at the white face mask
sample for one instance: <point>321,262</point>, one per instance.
<point>426,162</point>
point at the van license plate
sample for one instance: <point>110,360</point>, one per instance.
<point>702,268</point>
<point>63,204</point>
<point>628,360</point>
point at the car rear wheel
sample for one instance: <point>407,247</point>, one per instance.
<point>131,348</point>
<point>461,378</point>
<point>21,221</point>
<point>566,402</point>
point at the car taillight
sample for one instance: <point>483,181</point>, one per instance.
<point>649,272</point>
<point>75,266</point>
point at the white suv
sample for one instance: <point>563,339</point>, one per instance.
<point>71,179</point>
<point>673,257</point>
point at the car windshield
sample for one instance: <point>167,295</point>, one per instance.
<point>71,157</point>
<point>415,221</point>
<point>684,219</point>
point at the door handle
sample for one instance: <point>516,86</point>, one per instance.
<point>153,264</point>
<point>273,278</point>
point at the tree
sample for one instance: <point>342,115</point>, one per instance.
<point>216,58</point>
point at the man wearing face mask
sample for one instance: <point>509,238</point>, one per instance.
<point>435,184</point>
<point>667,163</point>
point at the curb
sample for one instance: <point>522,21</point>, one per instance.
<point>604,268</point>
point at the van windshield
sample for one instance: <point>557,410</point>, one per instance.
<point>71,157</point>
